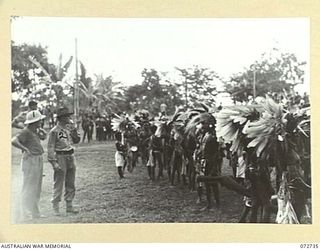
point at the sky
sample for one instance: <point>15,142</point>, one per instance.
<point>123,47</point>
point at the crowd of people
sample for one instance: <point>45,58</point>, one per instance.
<point>187,147</point>
<point>267,146</point>
<point>168,151</point>
<point>101,124</point>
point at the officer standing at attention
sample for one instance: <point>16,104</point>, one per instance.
<point>61,156</point>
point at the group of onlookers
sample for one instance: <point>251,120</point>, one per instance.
<point>60,156</point>
<point>101,124</point>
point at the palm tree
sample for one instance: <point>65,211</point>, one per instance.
<point>103,94</point>
<point>86,90</point>
<point>54,81</point>
<point>88,97</point>
<point>108,93</point>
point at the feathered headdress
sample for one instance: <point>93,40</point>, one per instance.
<point>164,125</point>
<point>232,120</point>
<point>194,116</point>
<point>141,116</point>
<point>191,126</point>
<point>275,125</point>
<point>120,123</point>
<point>143,113</point>
<point>267,130</point>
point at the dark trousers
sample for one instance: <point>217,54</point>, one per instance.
<point>86,134</point>
<point>99,134</point>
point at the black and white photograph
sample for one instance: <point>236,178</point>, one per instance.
<point>160,120</point>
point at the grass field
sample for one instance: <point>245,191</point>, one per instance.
<point>102,197</point>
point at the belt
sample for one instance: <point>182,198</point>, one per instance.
<point>69,152</point>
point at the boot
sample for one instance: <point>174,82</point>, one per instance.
<point>55,207</point>
<point>70,208</point>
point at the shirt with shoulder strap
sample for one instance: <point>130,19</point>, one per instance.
<point>60,141</point>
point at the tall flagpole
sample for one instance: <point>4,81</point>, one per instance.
<point>76,85</point>
<point>186,92</point>
<point>254,85</point>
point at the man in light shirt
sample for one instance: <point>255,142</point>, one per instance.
<point>61,157</point>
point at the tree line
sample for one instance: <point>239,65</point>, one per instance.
<point>34,76</point>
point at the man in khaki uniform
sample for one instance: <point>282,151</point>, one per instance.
<point>61,156</point>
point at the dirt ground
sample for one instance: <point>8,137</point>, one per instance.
<point>102,197</point>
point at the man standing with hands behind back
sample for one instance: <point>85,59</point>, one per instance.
<point>61,156</point>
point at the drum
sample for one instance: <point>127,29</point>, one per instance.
<point>134,148</point>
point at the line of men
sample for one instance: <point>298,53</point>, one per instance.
<point>90,121</point>
<point>60,155</point>
<point>102,123</point>
<point>163,148</point>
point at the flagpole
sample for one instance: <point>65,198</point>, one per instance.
<point>186,92</point>
<point>76,85</point>
<point>254,85</point>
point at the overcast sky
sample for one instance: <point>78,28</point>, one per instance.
<point>123,47</point>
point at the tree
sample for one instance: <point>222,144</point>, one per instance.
<point>109,93</point>
<point>104,94</point>
<point>83,76</point>
<point>198,85</point>
<point>23,71</point>
<point>87,95</point>
<point>54,86</point>
<point>151,93</point>
<point>34,77</point>
<point>274,73</point>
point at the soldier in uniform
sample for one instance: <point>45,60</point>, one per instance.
<point>61,156</point>
<point>99,128</point>
<point>85,128</point>
<point>91,127</point>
